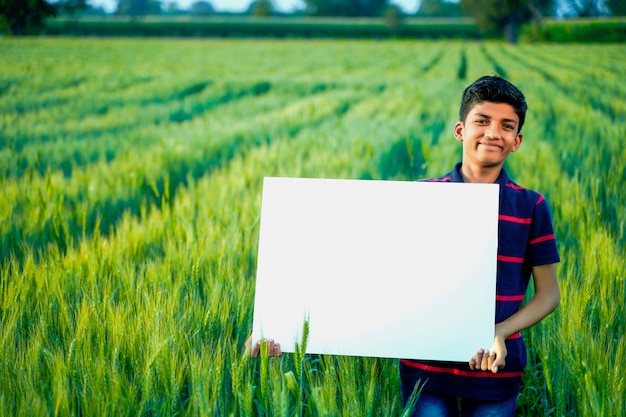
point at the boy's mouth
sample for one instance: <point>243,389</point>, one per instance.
<point>490,145</point>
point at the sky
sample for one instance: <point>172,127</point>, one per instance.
<point>409,6</point>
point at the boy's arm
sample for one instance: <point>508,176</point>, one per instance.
<point>545,300</point>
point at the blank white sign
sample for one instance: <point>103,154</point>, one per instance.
<point>379,268</point>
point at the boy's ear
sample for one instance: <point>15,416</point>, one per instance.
<point>518,142</point>
<point>458,131</point>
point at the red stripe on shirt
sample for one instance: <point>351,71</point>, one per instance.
<point>513,259</point>
<point>513,219</point>
<point>514,336</point>
<point>514,186</point>
<point>539,200</point>
<point>542,239</point>
<point>460,372</point>
<point>509,297</point>
<point>444,179</point>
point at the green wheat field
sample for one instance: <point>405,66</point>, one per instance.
<point>130,186</point>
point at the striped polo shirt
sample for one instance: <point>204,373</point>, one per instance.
<point>525,239</point>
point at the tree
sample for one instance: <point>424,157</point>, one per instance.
<point>202,7</point>
<point>261,8</point>
<point>171,8</point>
<point>439,8</point>
<point>586,8</point>
<point>617,7</point>
<point>136,8</point>
<point>71,7</point>
<point>23,17</point>
<point>352,8</point>
<point>393,17</point>
<point>504,17</point>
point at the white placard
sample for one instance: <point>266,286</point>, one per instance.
<point>387,269</point>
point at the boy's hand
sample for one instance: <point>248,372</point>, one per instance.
<point>493,360</point>
<point>273,348</point>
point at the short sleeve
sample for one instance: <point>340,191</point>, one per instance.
<point>542,248</point>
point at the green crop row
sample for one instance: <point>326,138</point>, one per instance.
<point>130,184</point>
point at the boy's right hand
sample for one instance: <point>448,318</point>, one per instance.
<point>273,348</point>
<point>490,359</point>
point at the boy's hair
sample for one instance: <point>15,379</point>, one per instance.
<point>497,90</point>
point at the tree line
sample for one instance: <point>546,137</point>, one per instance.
<point>493,17</point>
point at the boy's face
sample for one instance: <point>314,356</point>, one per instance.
<point>489,133</point>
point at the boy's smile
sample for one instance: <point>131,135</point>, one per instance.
<point>489,133</point>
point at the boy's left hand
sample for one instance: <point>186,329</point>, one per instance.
<point>486,360</point>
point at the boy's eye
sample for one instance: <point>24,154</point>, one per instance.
<point>509,127</point>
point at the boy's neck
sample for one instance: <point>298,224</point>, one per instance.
<point>477,174</point>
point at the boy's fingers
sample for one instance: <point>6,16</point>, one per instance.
<point>477,360</point>
<point>273,348</point>
<point>492,360</point>
<point>256,349</point>
<point>484,360</point>
<point>472,363</point>
<point>498,364</point>
<point>484,363</point>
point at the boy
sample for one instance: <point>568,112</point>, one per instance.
<point>491,118</point>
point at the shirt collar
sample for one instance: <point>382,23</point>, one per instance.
<point>456,175</point>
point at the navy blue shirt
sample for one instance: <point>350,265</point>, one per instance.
<point>525,239</point>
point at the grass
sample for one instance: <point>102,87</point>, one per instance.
<point>130,178</point>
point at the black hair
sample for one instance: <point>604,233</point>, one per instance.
<point>497,90</point>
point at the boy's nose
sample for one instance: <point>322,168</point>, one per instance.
<point>492,132</point>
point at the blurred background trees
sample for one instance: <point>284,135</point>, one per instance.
<point>23,17</point>
<point>346,8</point>
<point>202,7</point>
<point>617,7</point>
<point>71,7</point>
<point>439,8</point>
<point>587,8</point>
<point>393,17</point>
<point>261,8</point>
<point>493,17</point>
<point>137,8</point>
<point>505,17</point>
